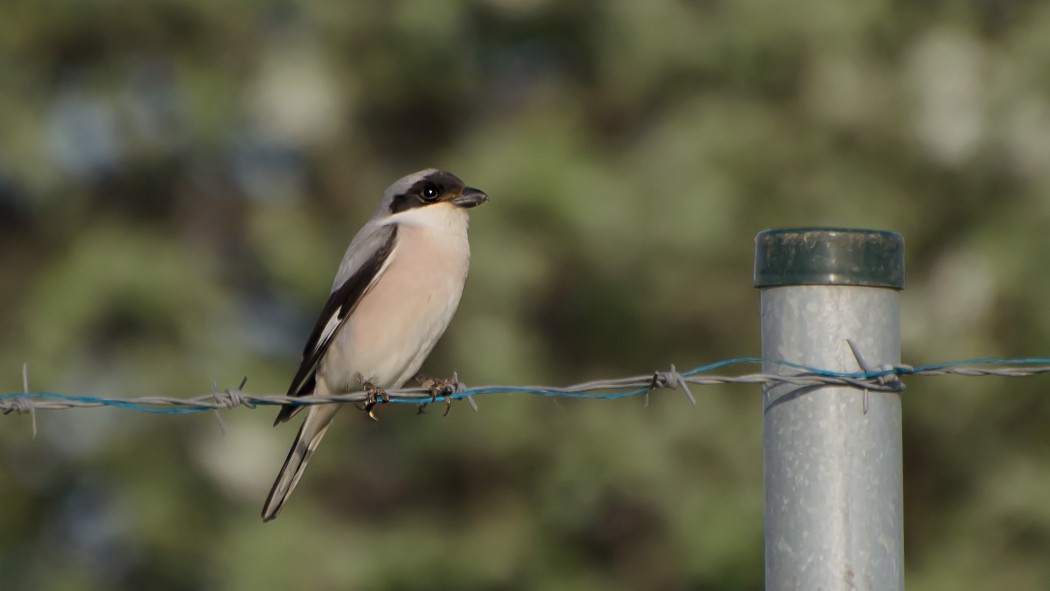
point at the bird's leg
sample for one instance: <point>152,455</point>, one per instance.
<point>437,387</point>
<point>373,395</point>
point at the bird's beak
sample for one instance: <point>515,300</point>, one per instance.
<point>470,197</point>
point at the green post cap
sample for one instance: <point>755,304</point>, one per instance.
<point>829,256</point>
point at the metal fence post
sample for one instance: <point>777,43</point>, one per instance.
<point>832,456</point>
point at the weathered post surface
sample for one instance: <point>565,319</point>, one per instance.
<point>832,455</point>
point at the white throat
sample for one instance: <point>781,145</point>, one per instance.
<point>441,217</point>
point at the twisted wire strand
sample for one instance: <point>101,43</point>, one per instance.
<point>882,379</point>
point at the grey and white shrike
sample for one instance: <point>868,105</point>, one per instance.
<point>395,292</point>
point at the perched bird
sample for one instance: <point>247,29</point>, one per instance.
<point>395,292</point>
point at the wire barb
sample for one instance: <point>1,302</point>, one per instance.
<point>232,397</point>
<point>864,366</point>
<point>27,401</point>
<point>671,379</point>
<point>459,387</point>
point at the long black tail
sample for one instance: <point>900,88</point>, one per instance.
<point>306,441</point>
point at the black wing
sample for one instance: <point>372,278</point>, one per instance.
<point>340,304</point>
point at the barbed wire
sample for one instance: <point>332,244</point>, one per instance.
<point>881,379</point>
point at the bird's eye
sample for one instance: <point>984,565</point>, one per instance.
<point>430,193</point>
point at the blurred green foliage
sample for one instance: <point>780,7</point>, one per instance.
<point>179,179</point>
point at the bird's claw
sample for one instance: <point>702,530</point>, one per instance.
<point>443,387</point>
<point>373,396</point>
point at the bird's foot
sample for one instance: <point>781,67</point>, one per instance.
<point>443,387</point>
<point>373,396</point>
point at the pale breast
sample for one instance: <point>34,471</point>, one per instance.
<point>396,325</point>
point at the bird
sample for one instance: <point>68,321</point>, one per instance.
<point>396,290</point>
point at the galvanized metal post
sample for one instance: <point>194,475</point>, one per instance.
<point>832,456</point>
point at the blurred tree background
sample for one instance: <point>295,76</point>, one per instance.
<point>179,179</point>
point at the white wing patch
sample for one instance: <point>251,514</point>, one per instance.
<point>329,329</point>
<point>386,265</point>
